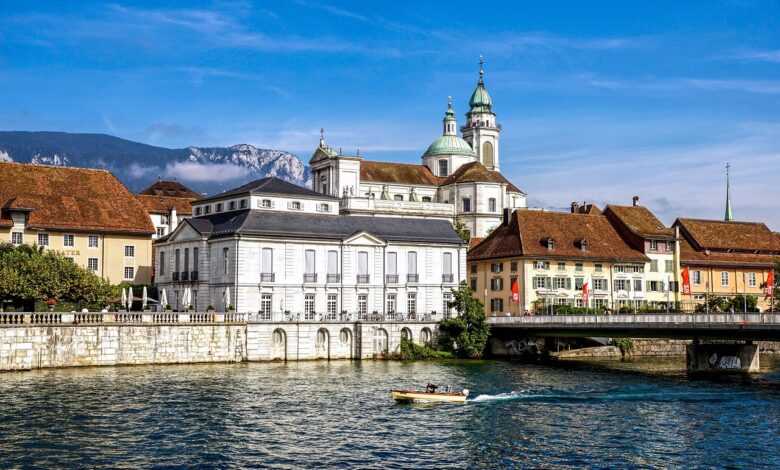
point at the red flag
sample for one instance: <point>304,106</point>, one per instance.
<point>770,283</point>
<point>515,291</point>
<point>585,289</point>
<point>686,281</point>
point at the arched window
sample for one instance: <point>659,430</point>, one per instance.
<point>487,154</point>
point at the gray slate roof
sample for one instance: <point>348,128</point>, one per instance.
<point>334,227</point>
<point>270,185</point>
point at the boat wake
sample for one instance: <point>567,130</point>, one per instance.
<point>595,396</point>
<point>500,396</point>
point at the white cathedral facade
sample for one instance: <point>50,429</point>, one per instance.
<point>459,178</point>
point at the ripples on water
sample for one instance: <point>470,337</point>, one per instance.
<point>318,414</point>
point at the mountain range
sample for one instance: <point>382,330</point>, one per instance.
<point>208,170</point>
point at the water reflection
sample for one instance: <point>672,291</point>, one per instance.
<point>314,414</point>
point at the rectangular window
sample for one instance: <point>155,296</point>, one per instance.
<point>362,305</point>
<point>412,262</point>
<point>496,305</point>
<point>92,264</point>
<point>669,266</point>
<point>308,307</point>
<point>218,207</point>
<point>225,256</point>
<point>447,267</point>
<point>398,197</point>
<point>653,245</point>
<point>43,239</point>
<point>492,204</point>
<point>541,282</point>
<point>474,268</point>
<point>622,284</point>
<point>578,282</point>
<point>195,260</point>
<point>578,267</point>
<point>724,279</point>
<point>446,299</point>
<point>513,266</point>
<point>161,271</point>
<point>542,265</point>
<point>363,263</point>
<point>176,260</point>
<point>443,168</point>
<point>129,273</point>
<point>598,267</point>
<point>466,204</point>
<point>637,285</point>
<point>562,283</point>
<point>267,261</point>
<point>232,205</point>
<point>496,283</point>
<point>474,285</point>
<point>751,279</point>
<point>654,266</point>
<point>93,241</point>
<point>207,209</point>
<point>243,203</point>
<point>68,240</point>
<point>496,267</point>
<point>17,238</point>
<point>697,277</point>
<point>561,266</point>
<point>670,247</point>
<point>309,262</point>
<point>160,232</point>
<point>266,204</point>
<point>186,259</point>
<point>332,306</point>
<point>198,210</point>
<point>295,205</point>
<point>266,303</point>
<point>392,263</point>
<point>129,251</point>
<point>599,284</point>
<point>411,303</point>
<point>391,303</point>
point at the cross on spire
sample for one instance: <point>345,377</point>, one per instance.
<point>481,67</point>
<point>322,136</point>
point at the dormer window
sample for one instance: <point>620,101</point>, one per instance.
<point>549,242</point>
<point>207,209</point>
<point>218,207</point>
<point>295,205</point>
<point>198,210</point>
<point>583,244</point>
<point>232,205</point>
<point>243,203</point>
<point>324,207</point>
<point>398,197</point>
<point>266,204</point>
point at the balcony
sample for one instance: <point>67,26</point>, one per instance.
<point>185,276</point>
<point>175,276</point>
<point>367,205</point>
<point>267,277</point>
<point>333,278</point>
<point>391,279</point>
<point>310,277</point>
<point>194,275</point>
<point>447,278</point>
<point>413,278</point>
<point>363,278</point>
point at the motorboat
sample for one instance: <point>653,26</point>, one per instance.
<point>429,395</point>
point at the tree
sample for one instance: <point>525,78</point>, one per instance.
<point>463,232</point>
<point>29,274</point>
<point>466,334</point>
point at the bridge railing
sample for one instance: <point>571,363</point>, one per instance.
<point>124,318</point>
<point>674,318</point>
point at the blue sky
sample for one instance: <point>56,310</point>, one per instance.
<point>598,101</point>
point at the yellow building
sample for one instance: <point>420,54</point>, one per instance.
<point>550,255</point>
<point>727,259</point>
<point>86,214</point>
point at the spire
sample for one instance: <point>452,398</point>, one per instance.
<point>481,70</point>
<point>450,123</point>
<point>480,101</point>
<point>322,137</point>
<point>729,214</point>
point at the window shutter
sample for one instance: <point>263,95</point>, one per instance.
<point>568,283</point>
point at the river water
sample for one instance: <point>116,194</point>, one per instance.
<point>319,414</point>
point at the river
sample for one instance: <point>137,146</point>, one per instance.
<point>318,414</point>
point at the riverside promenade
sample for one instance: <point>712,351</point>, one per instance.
<point>43,340</point>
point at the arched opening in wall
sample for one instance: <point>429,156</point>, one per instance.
<point>322,349</point>
<point>487,154</point>
<point>426,336</point>
<point>345,338</point>
<point>380,342</point>
<point>406,334</point>
<point>279,345</point>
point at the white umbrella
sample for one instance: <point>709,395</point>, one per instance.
<point>129,298</point>
<point>187,298</point>
<point>124,297</point>
<point>144,299</point>
<point>227,298</point>
<point>163,299</point>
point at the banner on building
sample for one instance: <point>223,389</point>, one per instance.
<point>686,280</point>
<point>515,291</point>
<point>585,292</point>
<point>770,283</point>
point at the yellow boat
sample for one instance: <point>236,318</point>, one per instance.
<point>421,396</point>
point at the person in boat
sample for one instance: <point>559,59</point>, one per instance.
<point>431,388</point>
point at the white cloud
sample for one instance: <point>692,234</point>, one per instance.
<point>772,56</point>
<point>205,172</point>
<point>137,171</point>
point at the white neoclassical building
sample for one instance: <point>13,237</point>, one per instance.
<point>284,251</point>
<point>459,178</point>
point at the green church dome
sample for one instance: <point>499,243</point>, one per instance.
<point>449,145</point>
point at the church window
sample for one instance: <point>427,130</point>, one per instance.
<point>492,204</point>
<point>443,168</point>
<point>466,204</point>
<point>487,154</point>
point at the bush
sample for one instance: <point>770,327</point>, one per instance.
<point>410,351</point>
<point>465,335</point>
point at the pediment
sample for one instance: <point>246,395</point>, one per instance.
<point>319,155</point>
<point>364,239</point>
<point>184,232</point>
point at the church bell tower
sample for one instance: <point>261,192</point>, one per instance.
<point>481,130</point>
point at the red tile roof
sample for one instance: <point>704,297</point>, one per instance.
<point>163,204</point>
<point>528,231</point>
<point>63,198</point>
<point>692,257</point>
<point>399,173</point>
<point>639,221</point>
<point>476,172</point>
<point>721,235</point>
<point>171,189</point>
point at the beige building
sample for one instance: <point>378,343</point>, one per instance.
<point>87,215</point>
<point>551,255</point>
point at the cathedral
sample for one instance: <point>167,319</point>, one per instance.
<point>459,178</point>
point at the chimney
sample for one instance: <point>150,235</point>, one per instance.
<point>173,220</point>
<point>574,207</point>
<point>507,213</point>
<point>635,200</point>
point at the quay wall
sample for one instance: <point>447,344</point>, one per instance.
<point>28,346</point>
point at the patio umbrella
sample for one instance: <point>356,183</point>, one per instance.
<point>129,298</point>
<point>144,299</point>
<point>124,297</point>
<point>187,298</point>
<point>227,298</point>
<point>163,299</point>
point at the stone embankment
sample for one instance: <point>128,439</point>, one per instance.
<point>649,348</point>
<point>42,340</point>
